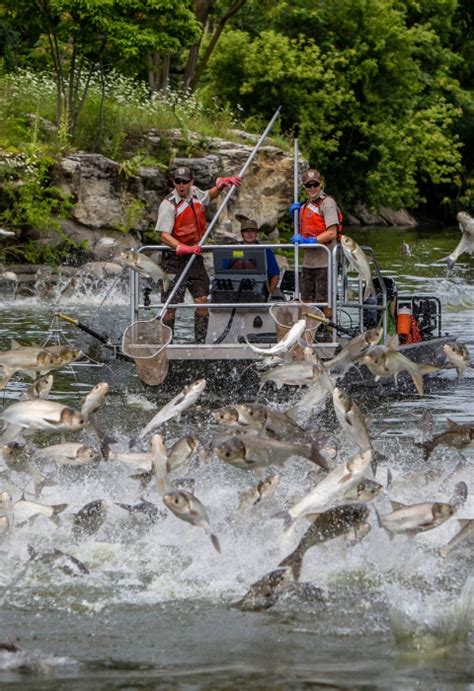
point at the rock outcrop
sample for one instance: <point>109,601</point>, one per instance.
<point>117,200</point>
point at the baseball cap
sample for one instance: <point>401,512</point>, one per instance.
<point>311,175</point>
<point>183,172</point>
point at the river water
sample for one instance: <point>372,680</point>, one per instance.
<point>155,611</point>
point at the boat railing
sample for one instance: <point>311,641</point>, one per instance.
<point>137,305</point>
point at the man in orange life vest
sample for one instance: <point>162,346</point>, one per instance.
<point>182,224</point>
<point>320,222</point>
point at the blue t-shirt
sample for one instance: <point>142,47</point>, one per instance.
<point>272,264</point>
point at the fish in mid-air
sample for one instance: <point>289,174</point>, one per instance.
<point>456,436</point>
<point>458,355</point>
<point>418,518</point>
<point>188,508</point>
<point>186,398</point>
<point>145,267</point>
<point>357,258</point>
<point>466,244</point>
<point>385,361</point>
<point>326,526</point>
<point>287,342</point>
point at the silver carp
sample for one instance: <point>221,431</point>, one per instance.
<point>458,355</point>
<point>40,389</point>
<point>94,399</point>
<point>188,508</point>
<point>355,348</point>
<point>335,484</point>
<point>24,509</point>
<point>262,491</point>
<point>466,244</point>
<point>159,459</point>
<point>188,396</point>
<point>287,342</point>
<point>418,518</point>
<point>466,533</point>
<point>68,453</point>
<point>145,267</point>
<point>357,258</point>
<point>89,518</point>
<point>38,414</point>
<point>271,422</point>
<point>292,374</point>
<point>384,361</point>
<point>351,419</point>
<point>249,452</point>
<point>455,436</point>
<point>265,592</point>
<point>326,526</point>
<point>33,359</point>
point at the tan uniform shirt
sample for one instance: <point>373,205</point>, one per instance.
<point>314,258</point>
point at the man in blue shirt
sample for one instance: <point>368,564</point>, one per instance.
<point>249,230</point>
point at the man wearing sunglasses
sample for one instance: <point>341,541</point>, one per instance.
<point>320,222</point>
<point>182,224</point>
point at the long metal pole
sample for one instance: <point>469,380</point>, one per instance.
<point>218,213</point>
<point>296,217</point>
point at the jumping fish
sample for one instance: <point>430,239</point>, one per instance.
<point>335,484</point>
<point>265,592</point>
<point>466,244</point>
<point>351,419</point>
<point>145,267</point>
<point>417,518</point>
<point>326,526</point>
<point>466,532</point>
<point>39,389</point>
<point>359,262</point>
<point>188,508</point>
<point>458,355</point>
<point>188,396</point>
<point>249,452</point>
<point>287,342</point>
<point>39,414</point>
<point>355,348</point>
<point>89,518</point>
<point>386,361</point>
<point>456,436</point>
<point>262,491</point>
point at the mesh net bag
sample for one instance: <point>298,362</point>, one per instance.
<point>288,314</point>
<point>145,342</point>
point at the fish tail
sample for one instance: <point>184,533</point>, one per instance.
<point>295,562</point>
<point>287,519</point>
<point>369,289</point>
<point>317,457</point>
<point>427,448</point>
<point>418,381</point>
<point>215,542</point>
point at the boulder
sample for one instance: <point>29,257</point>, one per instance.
<point>366,217</point>
<point>397,218</point>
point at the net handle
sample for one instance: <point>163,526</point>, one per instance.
<point>210,228</point>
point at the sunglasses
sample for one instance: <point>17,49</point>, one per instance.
<point>308,185</point>
<point>181,181</point>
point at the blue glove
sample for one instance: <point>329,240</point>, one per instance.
<point>311,241</point>
<point>296,206</point>
<point>298,239</point>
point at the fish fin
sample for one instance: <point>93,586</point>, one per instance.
<point>459,496</point>
<point>379,520</point>
<point>393,342</point>
<point>369,289</point>
<point>59,508</point>
<point>133,442</point>
<point>215,542</point>
<point>127,507</point>
<point>293,412</point>
<point>295,562</point>
<point>418,381</point>
<point>346,478</point>
<point>452,424</point>
<point>427,448</point>
<point>396,505</point>
<point>389,479</point>
<point>287,519</point>
<point>14,344</point>
<point>317,457</point>
<point>464,521</point>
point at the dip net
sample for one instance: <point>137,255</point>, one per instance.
<point>145,342</point>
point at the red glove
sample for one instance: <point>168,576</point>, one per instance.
<point>227,182</point>
<point>188,249</point>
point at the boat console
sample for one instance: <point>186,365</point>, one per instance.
<point>240,275</point>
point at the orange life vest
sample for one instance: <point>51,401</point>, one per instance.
<point>312,220</point>
<point>190,220</point>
